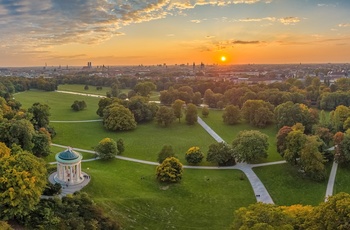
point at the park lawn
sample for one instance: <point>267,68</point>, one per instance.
<point>204,199</point>
<point>342,181</point>
<point>60,104</point>
<point>145,142</point>
<point>79,88</point>
<point>229,132</point>
<point>286,187</point>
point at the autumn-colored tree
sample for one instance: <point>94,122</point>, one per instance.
<point>107,149</point>
<point>170,170</point>
<point>191,114</point>
<point>231,115</point>
<point>261,216</point>
<point>194,155</point>
<point>338,117</point>
<point>118,118</point>
<point>177,108</point>
<point>22,181</point>
<point>338,154</point>
<point>250,146</point>
<point>331,214</point>
<point>281,139</point>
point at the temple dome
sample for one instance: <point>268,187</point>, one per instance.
<point>68,156</point>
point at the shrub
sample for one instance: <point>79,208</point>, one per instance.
<point>170,170</point>
<point>194,155</point>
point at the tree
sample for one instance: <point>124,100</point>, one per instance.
<point>295,141</point>
<point>42,142</point>
<point>221,154</point>
<point>86,87</point>
<point>78,105</point>
<point>331,214</point>
<point>144,88</point>
<point>258,112</point>
<point>167,151</point>
<point>250,146</point>
<point>231,115</point>
<point>5,226</point>
<point>311,160</point>
<point>177,108</point>
<point>205,111</point>
<point>118,118</point>
<point>22,181</point>
<point>261,216</point>
<point>197,98</point>
<point>120,146</point>
<point>142,110</point>
<point>281,139</point>
<point>170,170</point>
<point>165,116</point>
<point>107,149</point>
<point>191,114</point>
<point>338,153</point>
<point>339,116</point>
<point>41,114</point>
<point>289,114</point>
<point>114,90</point>
<point>194,155</point>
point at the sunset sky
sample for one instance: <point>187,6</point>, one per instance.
<point>132,32</point>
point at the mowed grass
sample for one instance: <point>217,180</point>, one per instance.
<point>60,104</point>
<point>342,182</point>
<point>80,89</point>
<point>286,187</point>
<point>204,199</point>
<point>145,142</point>
<point>154,96</point>
<point>229,132</point>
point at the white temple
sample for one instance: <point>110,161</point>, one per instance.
<point>69,167</point>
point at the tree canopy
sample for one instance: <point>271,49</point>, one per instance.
<point>107,149</point>
<point>118,118</point>
<point>170,170</point>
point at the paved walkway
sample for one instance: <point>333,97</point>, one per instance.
<point>331,180</point>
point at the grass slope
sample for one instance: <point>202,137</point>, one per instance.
<point>204,199</point>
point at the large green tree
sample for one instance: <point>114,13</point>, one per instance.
<point>165,116</point>
<point>250,146</point>
<point>144,88</point>
<point>177,107</point>
<point>118,118</point>
<point>295,142</point>
<point>41,114</point>
<point>191,114</point>
<point>107,149</point>
<point>165,152</point>
<point>22,181</point>
<point>221,154</point>
<point>231,115</point>
<point>258,112</point>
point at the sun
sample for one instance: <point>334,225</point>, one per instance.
<point>223,58</point>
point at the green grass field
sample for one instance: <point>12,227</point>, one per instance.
<point>342,182</point>
<point>229,132</point>
<point>287,188</point>
<point>80,89</point>
<point>60,104</point>
<point>204,199</point>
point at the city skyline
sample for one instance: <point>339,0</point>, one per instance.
<point>105,32</point>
